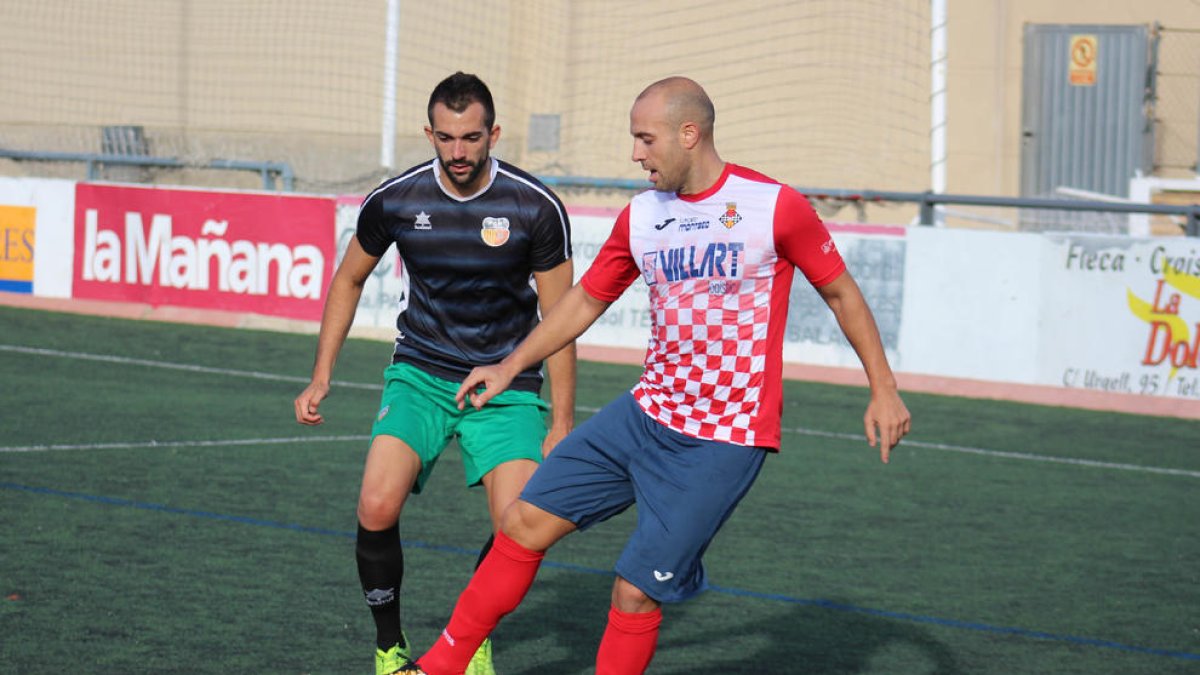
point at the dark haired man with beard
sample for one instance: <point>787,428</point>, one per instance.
<point>475,235</point>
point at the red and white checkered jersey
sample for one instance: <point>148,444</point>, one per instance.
<point>719,265</point>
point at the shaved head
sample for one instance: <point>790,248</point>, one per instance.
<point>683,100</point>
<point>672,127</point>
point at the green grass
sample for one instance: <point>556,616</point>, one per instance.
<point>191,526</point>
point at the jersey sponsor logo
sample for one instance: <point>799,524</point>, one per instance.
<point>828,247</point>
<point>663,224</point>
<point>649,264</point>
<point>660,577</point>
<point>422,221</point>
<point>717,259</point>
<point>383,413</point>
<point>731,217</point>
<point>495,231</point>
<point>689,224</point>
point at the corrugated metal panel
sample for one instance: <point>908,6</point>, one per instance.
<point>1090,137</point>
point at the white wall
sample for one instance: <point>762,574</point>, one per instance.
<point>1112,314</point>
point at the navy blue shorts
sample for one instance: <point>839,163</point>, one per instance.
<point>685,489</point>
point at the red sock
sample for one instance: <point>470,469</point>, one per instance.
<point>628,643</point>
<point>498,586</point>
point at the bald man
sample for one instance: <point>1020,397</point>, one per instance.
<point>718,245</point>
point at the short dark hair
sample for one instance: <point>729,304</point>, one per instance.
<point>461,90</point>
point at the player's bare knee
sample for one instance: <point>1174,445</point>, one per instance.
<point>378,511</point>
<point>629,598</point>
<point>531,527</point>
<point>513,522</point>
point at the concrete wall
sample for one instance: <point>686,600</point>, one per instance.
<point>1110,322</point>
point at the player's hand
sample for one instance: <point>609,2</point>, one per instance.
<point>554,435</point>
<point>886,422</point>
<point>482,385</point>
<point>309,401</point>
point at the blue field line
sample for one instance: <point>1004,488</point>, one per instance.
<point>809,602</point>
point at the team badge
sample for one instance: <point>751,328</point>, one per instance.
<point>731,216</point>
<point>495,231</point>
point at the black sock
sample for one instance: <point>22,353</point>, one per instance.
<point>487,546</point>
<point>380,569</point>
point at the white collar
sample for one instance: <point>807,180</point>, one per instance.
<point>492,169</point>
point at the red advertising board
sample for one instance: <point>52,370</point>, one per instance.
<point>242,252</point>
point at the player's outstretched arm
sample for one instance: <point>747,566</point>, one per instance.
<point>340,304</point>
<point>552,285</point>
<point>887,419</point>
<point>571,315</point>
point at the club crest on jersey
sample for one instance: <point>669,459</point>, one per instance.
<point>495,231</point>
<point>731,217</point>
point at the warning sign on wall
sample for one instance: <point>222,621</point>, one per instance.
<point>1082,68</point>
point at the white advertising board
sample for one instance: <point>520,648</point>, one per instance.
<point>48,206</point>
<point>1121,315</point>
<point>385,290</point>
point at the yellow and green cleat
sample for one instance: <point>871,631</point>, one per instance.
<point>392,660</point>
<point>481,662</point>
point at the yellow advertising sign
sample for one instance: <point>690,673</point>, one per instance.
<point>17,224</point>
<point>1082,64</point>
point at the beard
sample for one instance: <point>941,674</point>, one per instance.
<point>470,177</point>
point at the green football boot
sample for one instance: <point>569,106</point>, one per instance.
<point>481,662</point>
<point>394,659</point>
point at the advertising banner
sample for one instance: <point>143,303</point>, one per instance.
<point>1121,315</point>
<point>385,291</point>
<point>18,225</point>
<point>244,252</point>
<point>35,236</point>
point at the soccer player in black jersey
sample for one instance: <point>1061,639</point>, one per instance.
<point>475,235</point>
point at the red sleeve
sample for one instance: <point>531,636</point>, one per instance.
<point>802,239</point>
<point>614,268</point>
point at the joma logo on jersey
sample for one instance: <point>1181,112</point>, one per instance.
<point>718,259</point>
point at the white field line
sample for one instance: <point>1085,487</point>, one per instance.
<point>183,444</point>
<point>1023,456</point>
<point>1005,454</point>
<point>125,360</point>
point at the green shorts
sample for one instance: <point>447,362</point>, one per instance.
<point>420,410</point>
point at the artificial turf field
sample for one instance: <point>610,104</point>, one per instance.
<point>161,511</point>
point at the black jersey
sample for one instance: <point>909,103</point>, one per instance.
<point>468,263</point>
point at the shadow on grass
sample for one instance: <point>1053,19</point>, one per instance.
<point>563,619</point>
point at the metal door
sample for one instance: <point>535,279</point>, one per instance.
<point>1085,108</point>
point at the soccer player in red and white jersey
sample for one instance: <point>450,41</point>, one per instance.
<point>717,244</point>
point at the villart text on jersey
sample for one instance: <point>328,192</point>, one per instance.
<point>718,259</point>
